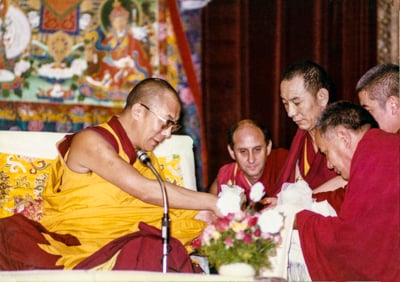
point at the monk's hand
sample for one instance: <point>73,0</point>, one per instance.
<point>269,202</point>
<point>207,216</point>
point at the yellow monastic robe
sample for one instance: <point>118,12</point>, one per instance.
<point>97,212</point>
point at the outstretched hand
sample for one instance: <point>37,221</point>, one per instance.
<point>207,216</point>
<point>269,202</point>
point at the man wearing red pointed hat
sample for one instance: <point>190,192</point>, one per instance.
<point>126,61</point>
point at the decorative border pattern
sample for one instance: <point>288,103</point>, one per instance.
<point>388,31</point>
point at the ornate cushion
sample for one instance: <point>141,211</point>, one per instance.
<point>171,168</point>
<point>176,158</point>
<point>22,180</point>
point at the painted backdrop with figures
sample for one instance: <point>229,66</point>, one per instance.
<point>77,61</point>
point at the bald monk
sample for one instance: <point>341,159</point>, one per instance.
<point>99,192</point>
<point>250,146</point>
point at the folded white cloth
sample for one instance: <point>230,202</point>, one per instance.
<point>295,197</point>
<point>323,208</point>
<point>298,195</point>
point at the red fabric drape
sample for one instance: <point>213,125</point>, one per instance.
<point>247,45</point>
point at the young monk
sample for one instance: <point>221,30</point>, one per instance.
<point>378,92</point>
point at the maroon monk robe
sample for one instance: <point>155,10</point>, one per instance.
<point>363,241</point>
<point>317,174</point>
<point>275,162</point>
<point>142,250</point>
<point>19,239</point>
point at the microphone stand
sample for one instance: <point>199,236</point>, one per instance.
<point>165,222</point>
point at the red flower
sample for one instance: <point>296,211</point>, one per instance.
<point>196,243</point>
<point>229,241</point>
<point>223,224</point>
<point>252,221</point>
<point>247,238</point>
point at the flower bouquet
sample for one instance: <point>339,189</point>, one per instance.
<point>243,234</point>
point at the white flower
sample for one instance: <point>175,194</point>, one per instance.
<point>230,199</point>
<point>257,192</point>
<point>231,189</point>
<point>270,221</point>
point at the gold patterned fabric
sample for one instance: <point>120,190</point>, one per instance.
<point>22,180</point>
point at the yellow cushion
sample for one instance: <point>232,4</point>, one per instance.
<point>176,154</point>
<point>22,180</point>
<point>170,167</point>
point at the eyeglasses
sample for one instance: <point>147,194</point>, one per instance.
<point>167,123</point>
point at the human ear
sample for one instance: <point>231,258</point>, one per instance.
<point>269,147</point>
<point>343,135</point>
<point>394,104</point>
<point>231,152</point>
<point>136,111</point>
<point>323,97</point>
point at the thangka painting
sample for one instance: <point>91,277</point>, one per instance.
<point>66,65</point>
<point>90,51</point>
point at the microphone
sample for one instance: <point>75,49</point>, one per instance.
<point>145,159</point>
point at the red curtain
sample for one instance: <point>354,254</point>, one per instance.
<point>247,45</point>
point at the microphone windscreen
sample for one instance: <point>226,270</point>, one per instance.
<point>143,157</point>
